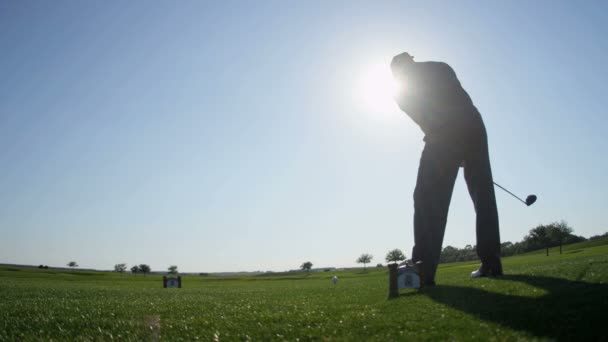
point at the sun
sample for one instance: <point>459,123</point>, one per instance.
<point>376,89</point>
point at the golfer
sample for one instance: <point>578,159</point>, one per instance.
<point>455,136</point>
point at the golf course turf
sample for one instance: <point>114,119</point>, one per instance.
<point>559,297</point>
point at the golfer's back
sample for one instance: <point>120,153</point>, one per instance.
<point>435,94</point>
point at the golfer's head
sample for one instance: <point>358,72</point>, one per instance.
<point>401,61</point>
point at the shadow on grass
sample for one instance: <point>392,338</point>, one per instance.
<point>571,310</point>
<point>574,251</point>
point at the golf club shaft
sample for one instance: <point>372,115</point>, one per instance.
<point>510,193</point>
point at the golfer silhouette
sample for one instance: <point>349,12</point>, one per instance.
<point>455,136</point>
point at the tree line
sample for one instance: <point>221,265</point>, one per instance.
<point>543,236</point>
<point>122,268</point>
<point>142,268</point>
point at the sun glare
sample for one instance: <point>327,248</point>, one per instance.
<point>377,88</point>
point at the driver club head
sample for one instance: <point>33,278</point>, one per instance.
<point>530,200</point>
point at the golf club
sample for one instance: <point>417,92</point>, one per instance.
<point>529,200</point>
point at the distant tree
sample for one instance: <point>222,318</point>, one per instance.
<point>540,236</point>
<point>365,259</point>
<point>72,264</point>
<point>135,269</point>
<point>379,265</point>
<point>449,254</point>
<point>306,266</point>
<point>560,231</point>
<point>120,268</point>
<point>143,268</point>
<point>507,248</point>
<point>395,256</point>
<point>172,269</point>
<point>41,266</point>
<point>574,239</point>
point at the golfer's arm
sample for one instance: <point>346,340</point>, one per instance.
<point>414,108</point>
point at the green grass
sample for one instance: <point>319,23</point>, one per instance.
<point>560,297</point>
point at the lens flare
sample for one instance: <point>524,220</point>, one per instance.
<point>377,88</point>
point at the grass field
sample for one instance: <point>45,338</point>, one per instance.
<point>560,297</point>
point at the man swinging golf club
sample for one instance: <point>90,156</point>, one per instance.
<point>455,136</point>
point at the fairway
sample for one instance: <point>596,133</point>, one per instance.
<point>560,297</point>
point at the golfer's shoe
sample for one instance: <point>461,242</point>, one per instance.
<point>486,271</point>
<point>425,279</point>
<point>477,274</point>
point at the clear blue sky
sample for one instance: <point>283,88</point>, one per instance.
<point>231,136</point>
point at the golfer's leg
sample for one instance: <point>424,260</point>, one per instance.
<point>478,175</point>
<point>436,176</point>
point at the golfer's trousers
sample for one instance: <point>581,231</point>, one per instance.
<point>439,165</point>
